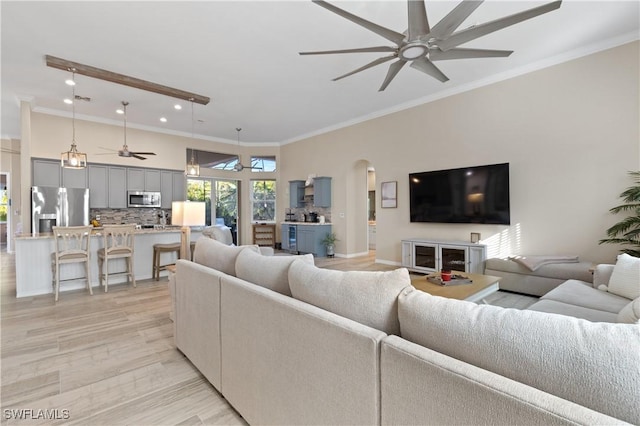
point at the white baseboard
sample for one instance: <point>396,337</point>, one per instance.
<point>388,262</point>
<point>349,256</point>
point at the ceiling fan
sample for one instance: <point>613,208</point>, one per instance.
<point>421,45</point>
<point>238,167</point>
<point>124,152</point>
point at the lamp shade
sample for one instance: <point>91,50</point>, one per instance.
<point>188,213</point>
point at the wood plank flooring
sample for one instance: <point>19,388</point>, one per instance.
<point>110,358</point>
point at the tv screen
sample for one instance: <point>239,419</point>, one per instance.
<point>467,195</point>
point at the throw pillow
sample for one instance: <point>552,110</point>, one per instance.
<point>216,255</point>
<point>367,297</point>
<point>571,358</point>
<point>630,314</point>
<point>219,233</point>
<point>625,278</point>
<point>271,272</point>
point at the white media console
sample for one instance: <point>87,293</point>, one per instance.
<point>429,256</point>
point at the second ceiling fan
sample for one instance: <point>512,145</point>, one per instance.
<point>124,152</point>
<point>422,44</point>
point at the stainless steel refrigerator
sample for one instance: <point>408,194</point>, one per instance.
<point>51,206</point>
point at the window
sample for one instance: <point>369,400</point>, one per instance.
<point>225,196</point>
<point>264,163</point>
<point>213,160</point>
<point>263,200</point>
<point>4,205</point>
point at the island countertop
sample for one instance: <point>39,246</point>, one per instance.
<point>33,260</point>
<point>305,223</point>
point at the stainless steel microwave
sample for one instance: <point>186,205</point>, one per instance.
<point>143,199</point>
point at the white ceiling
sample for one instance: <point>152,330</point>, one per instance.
<point>244,55</point>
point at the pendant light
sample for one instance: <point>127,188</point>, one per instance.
<point>192,169</point>
<point>73,159</point>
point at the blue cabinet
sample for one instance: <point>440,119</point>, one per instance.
<point>322,191</point>
<point>309,239</point>
<point>296,193</point>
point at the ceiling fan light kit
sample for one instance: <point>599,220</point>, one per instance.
<point>73,159</point>
<point>421,44</point>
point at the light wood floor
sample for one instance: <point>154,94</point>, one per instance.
<point>110,358</point>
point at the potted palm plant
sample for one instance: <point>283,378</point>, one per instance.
<point>329,242</point>
<point>627,231</point>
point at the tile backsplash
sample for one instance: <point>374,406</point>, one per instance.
<point>140,216</point>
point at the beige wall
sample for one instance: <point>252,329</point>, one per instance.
<point>10,164</point>
<point>570,133</point>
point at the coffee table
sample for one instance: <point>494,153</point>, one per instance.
<point>481,287</point>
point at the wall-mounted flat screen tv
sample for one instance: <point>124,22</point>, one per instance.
<point>467,195</point>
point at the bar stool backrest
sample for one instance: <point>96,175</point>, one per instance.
<point>118,239</point>
<point>71,241</point>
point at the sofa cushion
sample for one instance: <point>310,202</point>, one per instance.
<point>582,294</point>
<point>566,271</point>
<point>561,308</point>
<point>219,233</point>
<point>367,297</point>
<point>630,314</point>
<point>271,272</point>
<point>217,255</point>
<point>593,364</point>
<point>625,278</point>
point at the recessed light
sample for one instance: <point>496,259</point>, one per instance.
<point>119,111</point>
<point>68,101</point>
<point>70,82</point>
<point>178,106</point>
<point>163,119</point>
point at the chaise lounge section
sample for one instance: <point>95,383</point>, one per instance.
<point>288,343</point>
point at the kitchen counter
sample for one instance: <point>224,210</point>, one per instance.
<point>33,260</point>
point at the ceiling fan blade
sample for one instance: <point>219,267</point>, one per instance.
<point>473,33</point>
<point>459,53</point>
<point>369,65</point>
<point>394,68</point>
<point>381,31</point>
<point>418,22</point>
<point>137,156</point>
<point>426,66</point>
<point>144,153</point>
<point>358,50</point>
<point>452,21</point>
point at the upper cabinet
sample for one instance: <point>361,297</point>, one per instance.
<point>117,187</point>
<point>296,193</point>
<point>135,179</point>
<point>152,180</point>
<point>74,178</point>
<point>322,191</point>
<point>98,186</point>
<point>45,173</point>
<point>172,187</point>
<point>144,179</point>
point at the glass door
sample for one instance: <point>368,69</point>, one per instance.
<point>454,258</point>
<point>221,201</point>
<point>424,256</point>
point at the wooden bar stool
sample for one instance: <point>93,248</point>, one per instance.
<point>157,250</point>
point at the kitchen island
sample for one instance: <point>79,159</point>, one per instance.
<point>33,260</point>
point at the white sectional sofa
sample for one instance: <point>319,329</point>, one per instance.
<point>288,343</point>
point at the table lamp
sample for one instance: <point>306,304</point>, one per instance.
<point>187,214</point>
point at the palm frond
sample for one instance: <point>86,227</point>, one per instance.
<point>624,225</point>
<point>627,231</point>
<point>625,207</point>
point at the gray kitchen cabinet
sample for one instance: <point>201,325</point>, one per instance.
<point>74,178</point>
<point>296,193</point>
<point>135,179</point>
<point>309,239</point>
<point>45,173</point>
<point>152,180</point>
<point>166,189</point>
<point>98,186</point>
<point>117,187</point>
<point>322,191</point>
<point>179,187</point>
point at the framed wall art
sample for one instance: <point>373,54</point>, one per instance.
<point>389,191</point>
